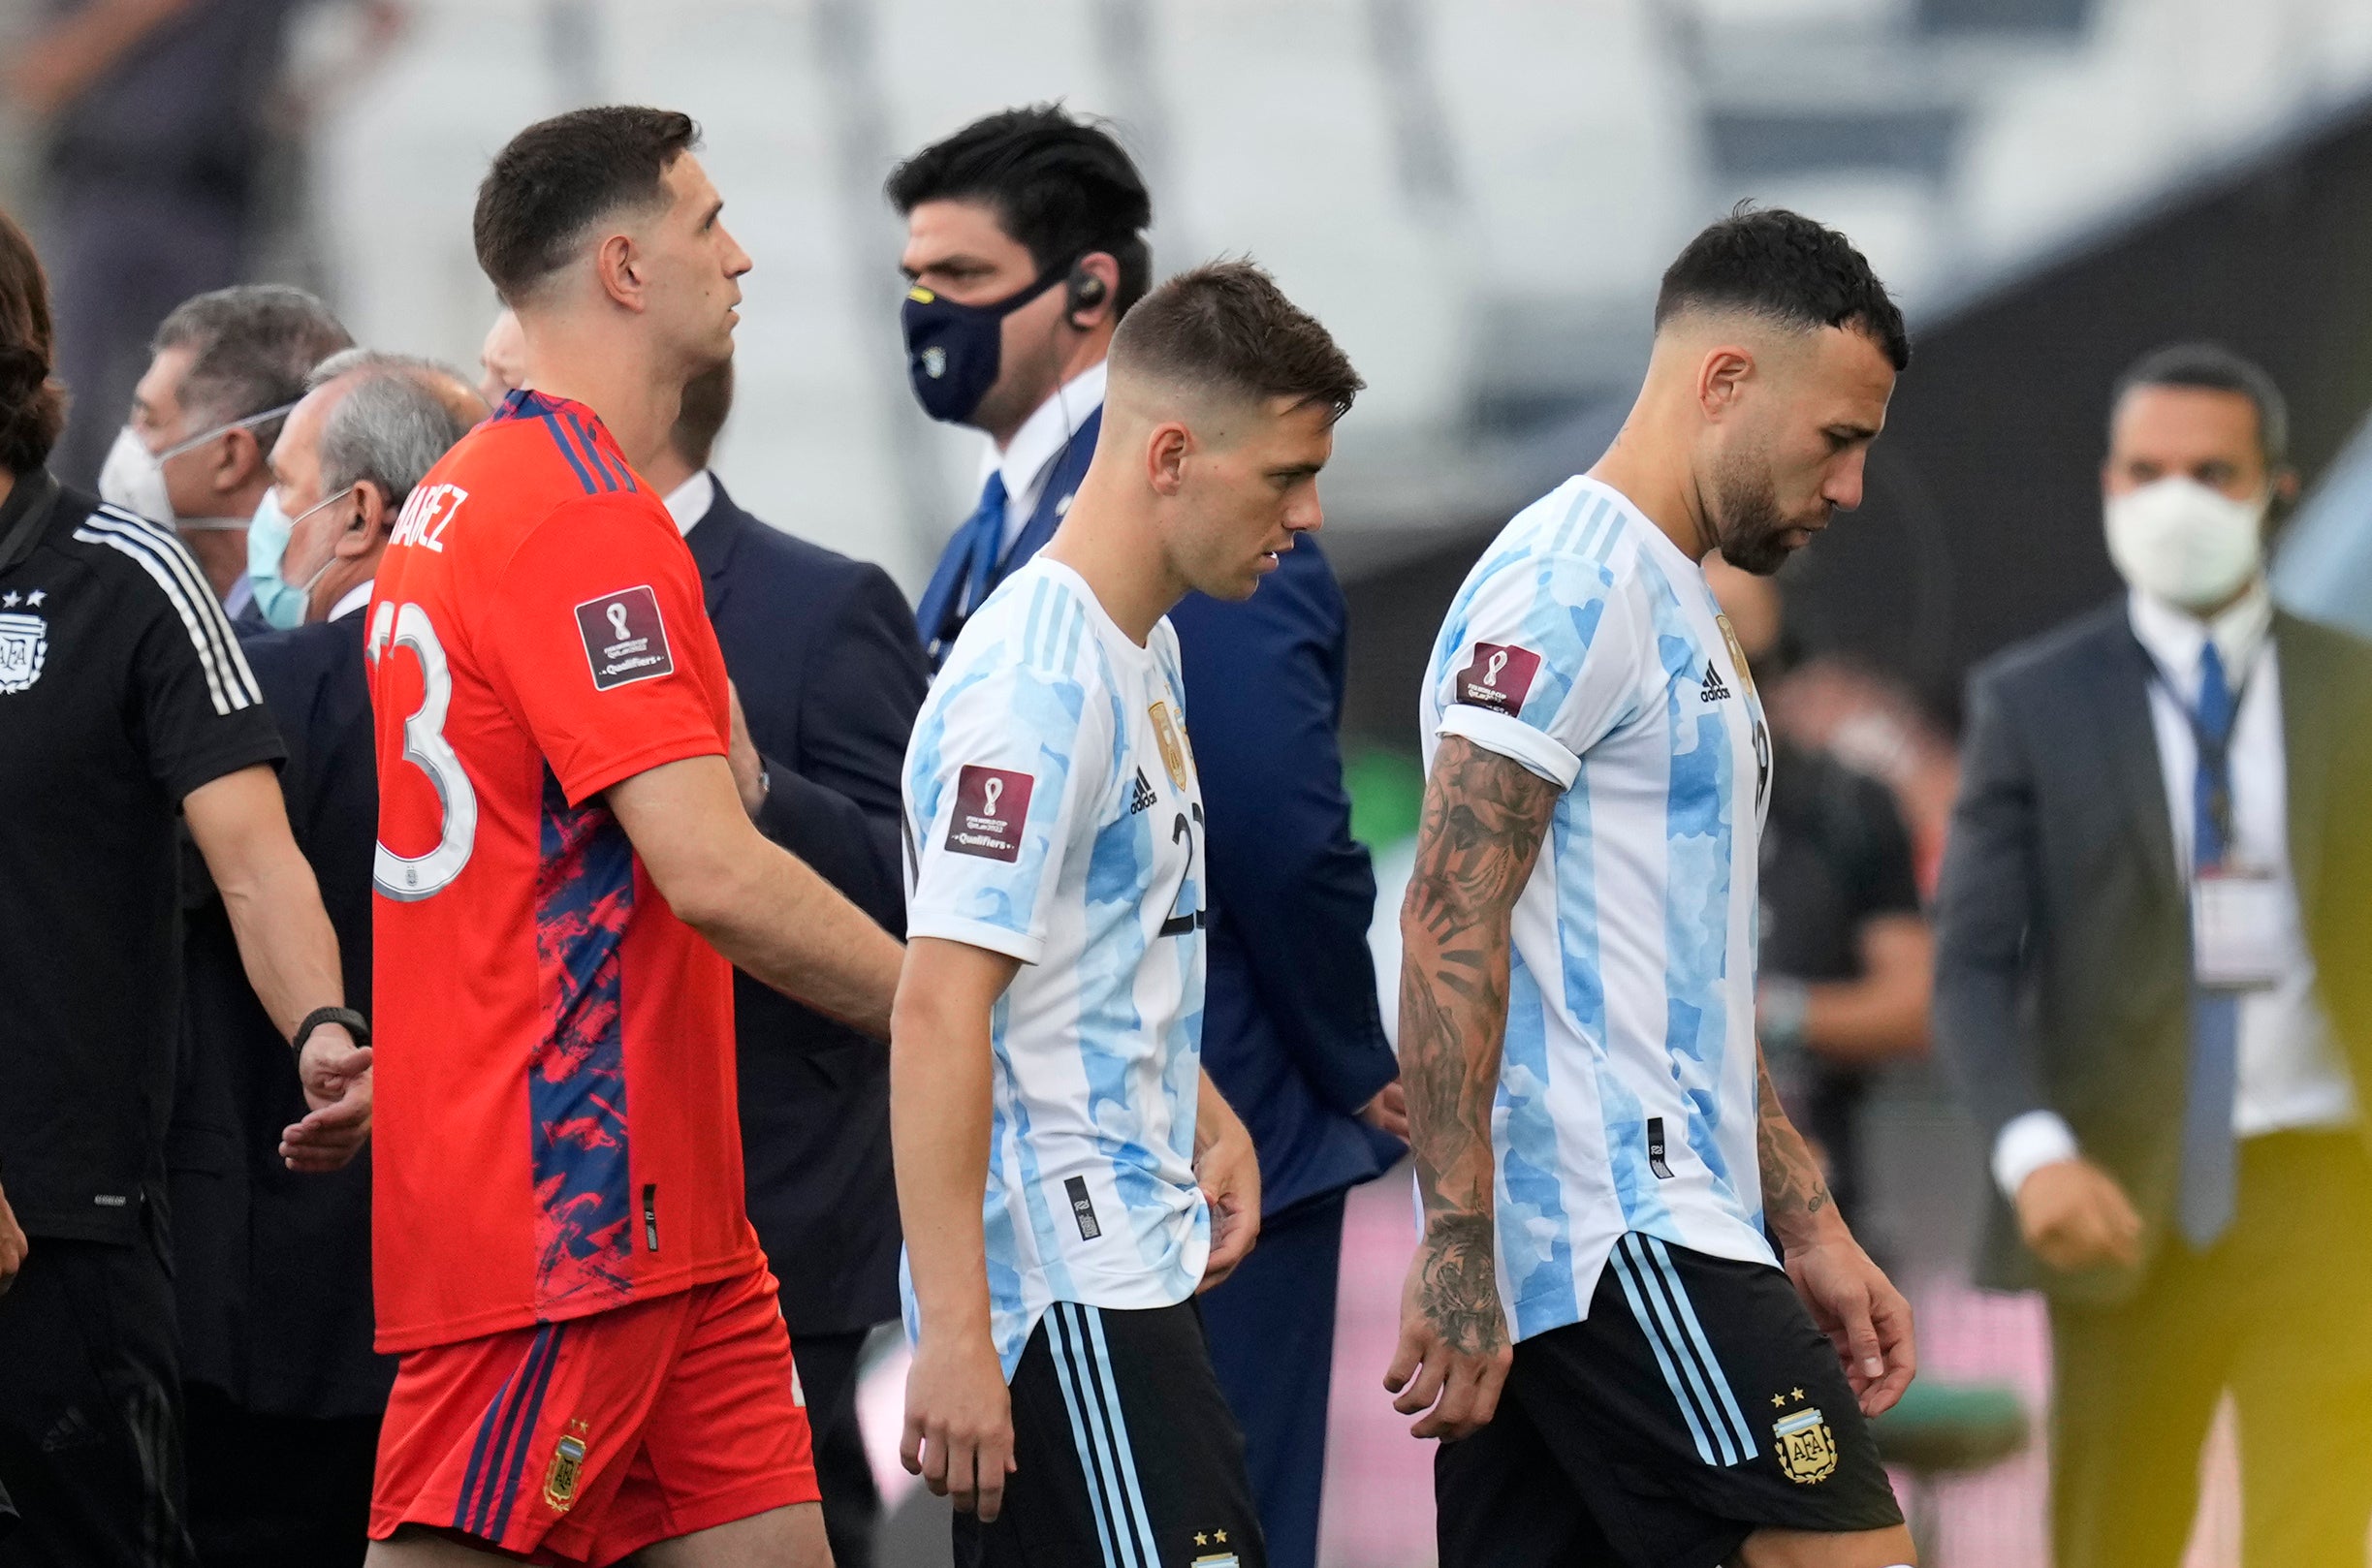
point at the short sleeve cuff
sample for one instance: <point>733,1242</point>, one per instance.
<point>978,933</point>
<point>1512,738</point>
<point>582,785</point>
<point>262,746</point>
<point>2026,1145</point>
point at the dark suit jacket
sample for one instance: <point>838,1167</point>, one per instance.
<point>273,1267</point>
<point>2062,924</point>
<point>824,653</point>
<point>1292,1034</point>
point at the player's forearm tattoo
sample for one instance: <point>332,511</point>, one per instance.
<point>1794,1197</point>
<point>1458,1289</point>
<point>1483,821</point>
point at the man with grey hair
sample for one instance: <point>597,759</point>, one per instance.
<point>272,1277</point>
<point>370,426</point>
<point>224,370</point>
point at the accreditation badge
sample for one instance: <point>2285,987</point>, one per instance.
<point>2242,924</point>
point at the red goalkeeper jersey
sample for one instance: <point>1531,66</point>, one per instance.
<point>555,1131</point>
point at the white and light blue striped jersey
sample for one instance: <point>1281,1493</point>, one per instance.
<point>1586,647</point>
<point>1053,814</point>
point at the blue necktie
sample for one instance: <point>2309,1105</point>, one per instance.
<point>976,545</point>
<point>2208,1178</point>
<point>987,527</point>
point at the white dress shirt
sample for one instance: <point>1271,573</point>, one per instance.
<point>2290,1074</point>
<point>1029,456</point>
<point>353,600</point>
<point>690,502</point>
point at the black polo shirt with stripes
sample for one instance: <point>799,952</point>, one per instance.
<point>123,689</point>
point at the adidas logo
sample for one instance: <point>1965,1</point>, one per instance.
<point>1141,797</point>
<point>1714,691</point>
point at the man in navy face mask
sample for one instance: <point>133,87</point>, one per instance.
<point>1025,246</point>
<point>1025,242</point>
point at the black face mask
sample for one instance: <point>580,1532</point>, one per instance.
<point>953,351</point>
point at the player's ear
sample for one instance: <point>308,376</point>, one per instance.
<point>618,263</point>
<point>1720,377</point>
<point>1166,455</point>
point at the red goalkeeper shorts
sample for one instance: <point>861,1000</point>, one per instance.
<point>582,1442</point>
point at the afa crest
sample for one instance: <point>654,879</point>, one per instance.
<point>24,644</point>
<point>567,1470</point>
<point>1737,652</point>
<point>1806,1447</point>
<point>1171,737</point>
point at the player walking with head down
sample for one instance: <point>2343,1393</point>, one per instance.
<point>1068,1176</point>
<point>1598,1150</point>
<point>593,1362</point>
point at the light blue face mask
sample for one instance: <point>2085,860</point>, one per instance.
<point>278,601</point>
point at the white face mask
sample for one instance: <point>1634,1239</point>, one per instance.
<point>2181,541</point>
<point>133,477</point>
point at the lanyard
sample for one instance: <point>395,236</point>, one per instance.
<point>2214,751</point>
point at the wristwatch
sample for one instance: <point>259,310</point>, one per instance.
<point>346,1018</point>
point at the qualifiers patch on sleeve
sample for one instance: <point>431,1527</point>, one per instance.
<point>1498,677</point>
<point>625,639</point>
<point>991,806</point>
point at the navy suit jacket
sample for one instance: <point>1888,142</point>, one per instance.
<point>273,1267</point>
<point>824,653</point>
<point>1291,1033</point>
<point>1290,1030</point>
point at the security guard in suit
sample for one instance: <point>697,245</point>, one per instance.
<point>2151,981</point>
<point>1024,245</point>
<point>827,674</point>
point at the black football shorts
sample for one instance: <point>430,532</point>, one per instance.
<point>1126,1453</point>
<point>1695,1405</point>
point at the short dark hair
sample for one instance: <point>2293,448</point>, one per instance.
<point>2213,367</point>
<point>1226,328</point>
<point>1061,186</point>
<point>1787,268</point>
<point>32,403</point>
<point>558,176</point>
<point>251,348</point>
<point>707,398</point>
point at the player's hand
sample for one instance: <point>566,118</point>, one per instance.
<point>336,1076</point>
<point>1388,1111</point>
<point>959,1436</point>
<point>1453,1355</point>
<point>13,1246</point>
<point>2074,1215</point>
<point>1228,1170</point>
<point>1853,1303</point>
<point>748,769</point>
